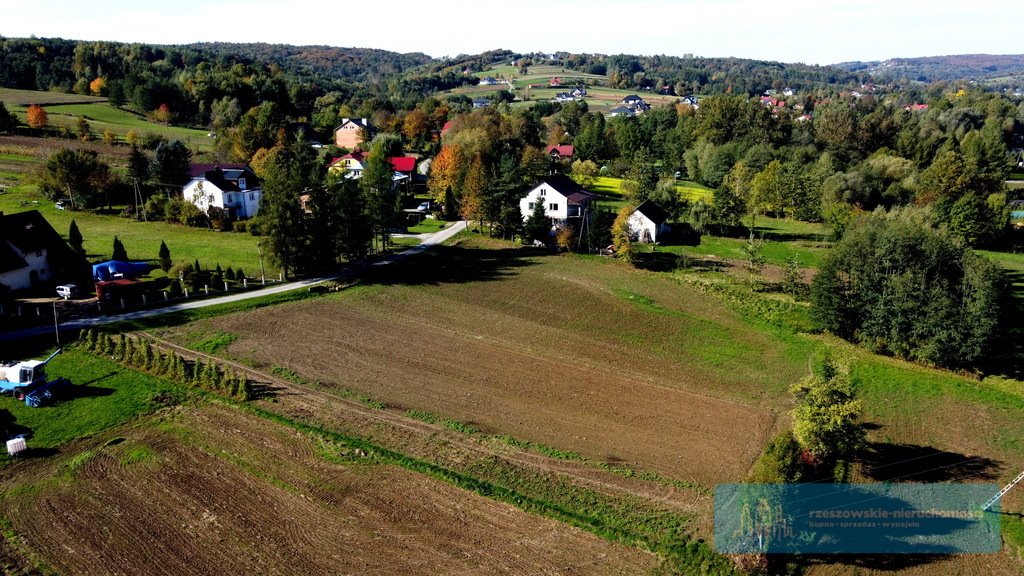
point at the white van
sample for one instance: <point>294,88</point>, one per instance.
<point>67,291</point>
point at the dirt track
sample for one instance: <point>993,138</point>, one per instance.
<point>213,491</point>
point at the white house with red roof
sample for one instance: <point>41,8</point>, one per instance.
<point>353,164</point>
<point>563,199</point>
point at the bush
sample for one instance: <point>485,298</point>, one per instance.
<point>240,226</point>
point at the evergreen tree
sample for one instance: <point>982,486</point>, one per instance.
<point>538,225</point>
<point>165,257</point>
<point>119,253</point>
<point>75,239</point>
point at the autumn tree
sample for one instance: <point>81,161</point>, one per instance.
<point>83,130</point>
<point>163,114</point>
<point>584,172</point>
<point>36,116</point>
<point>826,420</point>
<point>445,172</point>
<point>98,86</point>
<point>416,127</point>
<point>622,234</point>
<point>472,204</point>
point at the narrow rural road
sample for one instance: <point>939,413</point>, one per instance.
<point>427,241</point>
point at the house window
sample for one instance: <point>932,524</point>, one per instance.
<point>553,207</point>
<point>531,206</point>
<point>542,192</point>
<point>241,183</point>
<point>229,198</point>
<point>252,195</point>
<point>39,253</point>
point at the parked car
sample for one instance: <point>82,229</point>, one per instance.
<point>427,206</point>
<point>59,205</point>
<point>67,291</point>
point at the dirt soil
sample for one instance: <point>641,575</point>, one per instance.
<point>506,373</point>
<point>215,491</point>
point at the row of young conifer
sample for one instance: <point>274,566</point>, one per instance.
<point>141,355</point>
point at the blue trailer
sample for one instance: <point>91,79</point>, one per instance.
<point>114,269</point>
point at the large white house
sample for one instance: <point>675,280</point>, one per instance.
<point>648,222</point>
<point>563,199</point>
<point>233,188</point>
<point>31,251</point>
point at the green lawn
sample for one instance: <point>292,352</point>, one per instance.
<point>102,116</point>
<point>12,97</point>
<point>142,239</point>
<point>104,394</point>
<point>428,226</point>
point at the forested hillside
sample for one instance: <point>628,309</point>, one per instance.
<point>1008,69</point>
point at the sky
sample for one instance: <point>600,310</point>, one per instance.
<point>822,32</point>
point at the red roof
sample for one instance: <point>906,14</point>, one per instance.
<point>403,163</point>
<point>565,150</point>
<point>447,126</point>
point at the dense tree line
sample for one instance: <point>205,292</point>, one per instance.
<point>901,286</point>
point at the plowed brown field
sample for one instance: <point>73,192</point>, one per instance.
<point>214,491</point>
<point>612,364</point>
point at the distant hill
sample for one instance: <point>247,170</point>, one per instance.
<point>1007,69</point>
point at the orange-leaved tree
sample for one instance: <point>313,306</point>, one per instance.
<point>36,116</point>
<point>445,172</point>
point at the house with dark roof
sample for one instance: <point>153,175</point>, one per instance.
<point>32,253</point>
<point>488,81</point>
<point>352,132</point>
<point>621,111</point>
<point>233,188</point>
<point>564,200</point>
<point>648,222</point>
<point>481,102</point>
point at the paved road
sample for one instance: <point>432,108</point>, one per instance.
<point>427,241</point>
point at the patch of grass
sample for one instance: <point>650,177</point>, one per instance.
<point>137,454</point>
<point>431,418</point>
<point>79,460</point>
<point>103,394</point>
<point>404,241</point>
<point>14,97</point>
<point>185,316</point>
<point>542,448</point>
<point>428,226</point>
<point>215,343</point>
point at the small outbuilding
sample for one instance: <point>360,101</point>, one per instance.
<point>649,222</point>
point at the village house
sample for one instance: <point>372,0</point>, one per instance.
<point>488,81</point>
<point>352,132</point>
<point>234,188</point>
<point>564,200</point>
<point>32,253</point>
<point>563,152</point>
<point>648,222</point>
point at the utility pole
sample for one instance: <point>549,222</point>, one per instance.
<point>259,250</point>
<point>56,330</point>
<point>1002,492</point>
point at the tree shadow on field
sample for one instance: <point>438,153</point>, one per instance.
<point>454,265</point>
<point>884,462</point>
